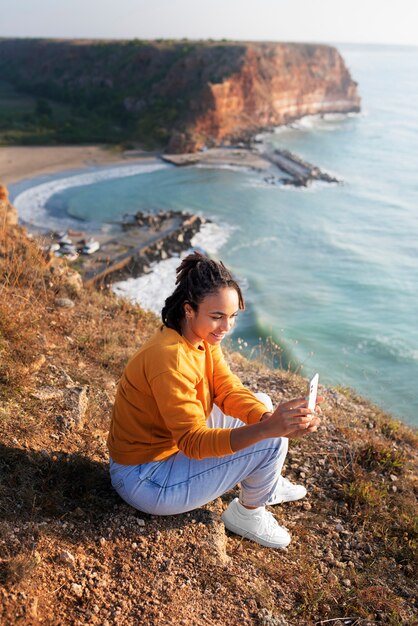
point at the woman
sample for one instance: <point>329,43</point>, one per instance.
<point>185,430</point>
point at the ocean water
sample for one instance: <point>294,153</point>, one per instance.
<point>330,273</point>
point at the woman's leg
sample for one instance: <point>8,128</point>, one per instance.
<point>181,484</point>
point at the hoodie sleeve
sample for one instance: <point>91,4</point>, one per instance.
<point>184,417</point>
<point>230,394</point>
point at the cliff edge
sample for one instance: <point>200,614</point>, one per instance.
<point>69,547</point>
<point>181,95</point>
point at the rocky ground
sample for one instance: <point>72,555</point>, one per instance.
<point>71,552</point>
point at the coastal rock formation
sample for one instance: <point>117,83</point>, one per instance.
<point>275,84</point>
<point>182,95</point>
<point>8,213</point>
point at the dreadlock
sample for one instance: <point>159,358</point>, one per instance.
<point>197,277</point>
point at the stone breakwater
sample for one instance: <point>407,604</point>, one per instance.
<point>299,173</point>
<point>138,241</point>
<point>293,169</point>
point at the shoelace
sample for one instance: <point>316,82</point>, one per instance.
<point>270,523</point>
<point>286,483</point>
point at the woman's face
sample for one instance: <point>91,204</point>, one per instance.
<point>214,317</point>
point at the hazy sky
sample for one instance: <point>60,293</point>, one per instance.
<point>364,21</point>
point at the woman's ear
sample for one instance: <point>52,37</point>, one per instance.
<point>188,311</point>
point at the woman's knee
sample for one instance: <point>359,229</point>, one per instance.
<point>265,399</point>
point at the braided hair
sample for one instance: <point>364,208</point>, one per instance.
<point>197,277</point>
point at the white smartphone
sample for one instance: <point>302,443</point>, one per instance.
<point>313,392</point>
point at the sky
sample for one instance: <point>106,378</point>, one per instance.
<point>323,21</point>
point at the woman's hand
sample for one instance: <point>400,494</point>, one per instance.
<point>292,419</point>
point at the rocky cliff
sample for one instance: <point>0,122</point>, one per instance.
<point>8,213</point>
<point>184,94</point>
<point>274,84</point>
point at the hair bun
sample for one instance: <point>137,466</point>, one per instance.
<point>189,263</point>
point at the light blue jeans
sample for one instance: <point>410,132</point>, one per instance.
<point>179,484</point>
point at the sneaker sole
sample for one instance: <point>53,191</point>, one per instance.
<point>254,537</point>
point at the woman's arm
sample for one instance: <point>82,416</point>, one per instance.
<point>230,395</point>
<point>290,419</point>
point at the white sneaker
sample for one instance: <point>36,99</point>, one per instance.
<point>256,524</point>
<point>287,492</point>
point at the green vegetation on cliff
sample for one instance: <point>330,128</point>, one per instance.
<point>101,92</point>
<point>183,95</point>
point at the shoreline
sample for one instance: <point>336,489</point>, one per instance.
<point>21,163</point>
<point>18,163</point>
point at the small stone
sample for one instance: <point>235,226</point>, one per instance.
<point>64,303</point>
<point>140,522</point>
<point>394,488</point>
<point>302,475</point>
<point>347,582</point>
<point>393,478</point>
<point>77,589</point>
<point>307,506</point>
<point>37,557</point>
<point>134,545</point>
<point>339,528</point>
<point>102,541</point>
<point>66,557</point>
<point>332,578</point>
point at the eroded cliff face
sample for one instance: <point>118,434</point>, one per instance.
<point>275,84</point>
<point>185,94</point>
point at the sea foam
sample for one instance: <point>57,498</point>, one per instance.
<point>31,204</point>
<point>151,290</point>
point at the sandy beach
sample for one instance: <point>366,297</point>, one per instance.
<point>20,162</point>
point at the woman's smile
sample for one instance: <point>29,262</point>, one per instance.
<point>214,318</point>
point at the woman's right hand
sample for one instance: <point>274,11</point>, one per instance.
<point>292,419</point>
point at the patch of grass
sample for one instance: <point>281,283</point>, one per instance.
<point>23,298</point>
<point>363,493</point>
<point>17,569</point>
<point>373,600</point>
<point>377,456</point>
<point>347,392</point>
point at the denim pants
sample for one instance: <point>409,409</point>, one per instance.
<point>179,483</point>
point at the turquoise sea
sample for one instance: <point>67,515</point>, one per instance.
<point>330,272</point>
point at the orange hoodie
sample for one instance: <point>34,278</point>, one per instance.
<point>166,394</point>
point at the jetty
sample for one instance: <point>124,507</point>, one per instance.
<point>133,245</point>
<point>300,173</point>
<point>294,170</point>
